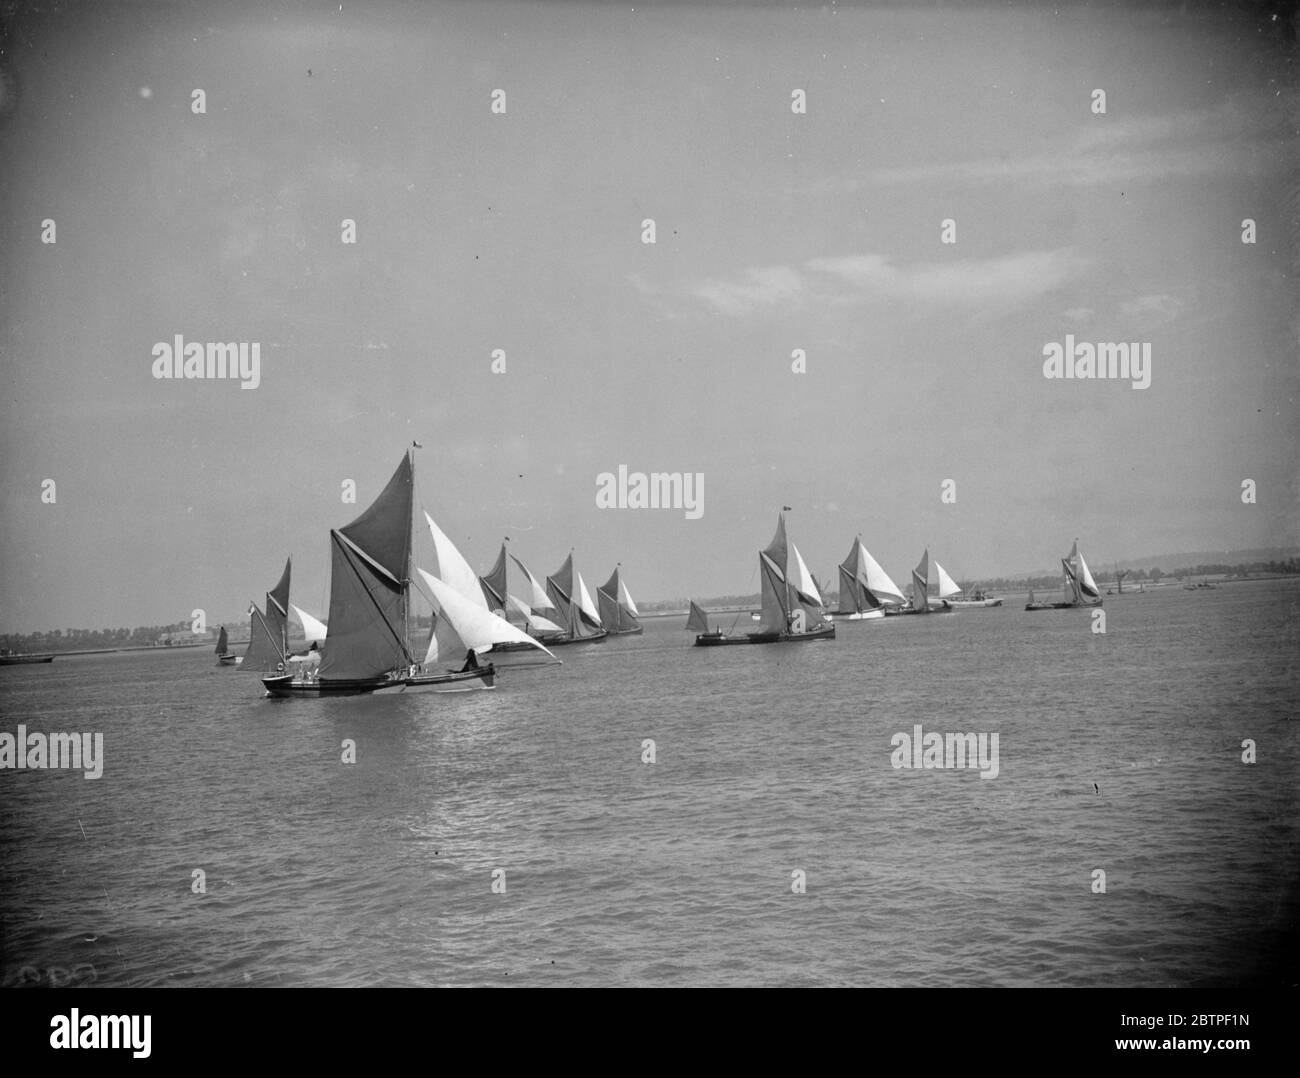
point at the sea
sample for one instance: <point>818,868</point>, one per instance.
<point>649,813</point>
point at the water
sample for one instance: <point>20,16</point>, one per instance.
<point>768,760</point>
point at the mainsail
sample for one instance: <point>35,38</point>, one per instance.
<point>223,642</point>
<point>493,584</point>
<point>369,576</point>
<point>775,587</point>
<point>921,584</point>
<point>617,611</point>
<point>698,621</point>
<point>268,634</point>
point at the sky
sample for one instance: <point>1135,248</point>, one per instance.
<point>777,233</point>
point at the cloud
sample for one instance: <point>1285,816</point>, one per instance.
<point>1002,282</point>
<point>754,288</point>
<point>1153,310</point>
<point>1245,135</point>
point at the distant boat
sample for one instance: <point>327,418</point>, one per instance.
<point>865,588</point>
<point>791,608</point>
<point>618,613</point>
<point>977,598</point>
<point>1080,588</point>
<point>578,616</point>
<point>534,614</point>
<point>922,582</point>
<point>225,657</point>
<point>368,649</point>
<point>268,634</point>
<point>698,621</point>
<point>9,658</point>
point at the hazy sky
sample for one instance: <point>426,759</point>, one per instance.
<point>522,231</point>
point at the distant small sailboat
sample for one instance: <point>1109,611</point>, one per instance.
<point>225,657</point>
<point>865,588</point>
<point>1080,588</point>
<point>921,583</point>
<point>578,616</point>
<point>697,621</point>
<point>618,613</point>
<point>534,613</point>
<point>791,608</point>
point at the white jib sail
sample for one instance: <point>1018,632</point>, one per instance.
<point>588,607</point>
<point>878,581</point>
<point>625,597</point>
<point>805,583</point>
<point>535,621</point>
<point>314,628</point>
<point>453,569</point>
<point>467,625</point>
<point>947,586</point>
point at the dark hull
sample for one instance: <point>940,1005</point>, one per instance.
<point>23,660</point>
<point>518,645</point>
<point>283,685</point>
<point>626,632</point>
<point>714,640</point>
<point>945,608</point>
<point>595,638</point>
<point>1060,606</point>
<point>227,660</point>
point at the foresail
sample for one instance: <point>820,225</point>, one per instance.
<point>625,598</point>
<point>805,585</point>
<point>313,628</point>
<point>453,569</point>
<point>947,586</point>
<point>586,605</point>
<point>1086,584</point>
<point>475,627</point>
<point>878,581</point>
<point>538,599</point>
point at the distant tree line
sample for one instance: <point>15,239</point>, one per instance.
<point>92,639</point>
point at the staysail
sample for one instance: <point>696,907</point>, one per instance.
<point>313,628</point>
<point>369,576</point>
<point>453,569</point>
<point>463,625</point>
<point>947,587</point>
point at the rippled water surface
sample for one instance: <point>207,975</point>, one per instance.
<point>617,872</point>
